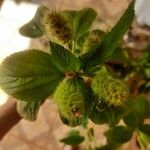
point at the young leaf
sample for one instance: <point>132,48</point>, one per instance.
<point>110,41</point>
<point>81,20</point>
<point>34,28</point>
<point>73,138</point>
<point>29,75</point>
<point>137,114</point>
<point>64,59</point>
<point>119,134</point>
<point>84,20</point>
<point>28,110</point>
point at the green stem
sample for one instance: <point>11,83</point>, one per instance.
<point>141,141</point>
<point>91,138</point>
<point>142,145</point>
<point>73,46</point>
<point>86,75</point>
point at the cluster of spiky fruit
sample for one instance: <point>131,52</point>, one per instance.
<point>70,95</point>
<point>109,89</point>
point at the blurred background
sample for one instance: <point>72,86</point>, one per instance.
<point>44,134</point>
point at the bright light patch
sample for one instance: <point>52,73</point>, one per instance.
<point>142,11</point>
<point>3,97</point>
<point>12,17</point>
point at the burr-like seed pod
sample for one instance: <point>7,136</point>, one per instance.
<point>109,89</point>
<point>91,40</point>
<point>70,99</point>
<point>57,28</point>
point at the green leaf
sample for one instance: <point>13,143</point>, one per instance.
<point>110,41</point>
<point>119,55</point>
<point>28,110</point>
<point>137,113</point>
<point>119,134</point>
<point>64,59</point>
<point>80,20</point>
<point>73,138</point>
<point>98,116</point>
<point>84,20</point>
<point>34,28</point>
<point>145,128</point>
<point>108,147</point>
<point>102,114</point>
<point>71,123</point>
<point>29,75</point>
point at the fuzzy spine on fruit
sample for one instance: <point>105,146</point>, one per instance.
<point>57,28</point>
<point>109,89</point>
<point>70,99</point>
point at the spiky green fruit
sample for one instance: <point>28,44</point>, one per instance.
<point>57,28</point>
<point>109,89</point>
<point>90,40</point>
<point>70,98</point>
